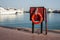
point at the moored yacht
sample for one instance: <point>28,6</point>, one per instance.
<point>10,11</point>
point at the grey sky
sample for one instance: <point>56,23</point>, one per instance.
<point>54,4</point>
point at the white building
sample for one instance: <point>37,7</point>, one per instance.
<point>51,10</point>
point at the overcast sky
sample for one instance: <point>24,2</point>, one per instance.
<point>26,4</point>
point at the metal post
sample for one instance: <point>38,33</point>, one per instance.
<point>41,31</point>
<point>32,27</point>
<point>46,23</point>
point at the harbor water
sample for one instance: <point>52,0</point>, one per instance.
<point>23,20</point>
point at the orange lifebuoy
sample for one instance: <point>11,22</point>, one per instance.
<point>37,22</point>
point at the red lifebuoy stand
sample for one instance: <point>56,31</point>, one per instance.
<point>37,16</point>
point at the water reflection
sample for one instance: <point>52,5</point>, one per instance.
<point>51,17</point>
<point>7,17</point>
<point>10,17</point>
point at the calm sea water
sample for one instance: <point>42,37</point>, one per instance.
<point>23,20</point>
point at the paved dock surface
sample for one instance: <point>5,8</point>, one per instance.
<point>13,34</point>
